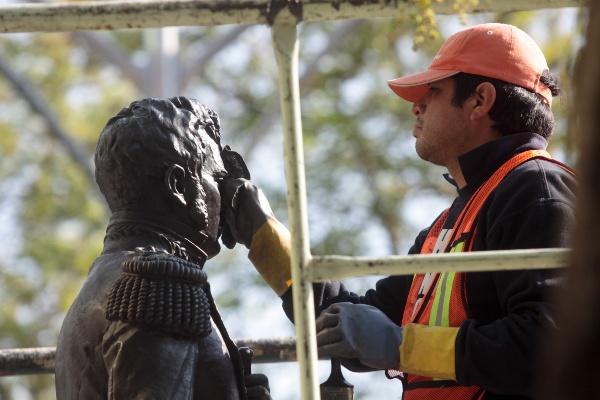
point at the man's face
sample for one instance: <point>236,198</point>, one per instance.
<point>202,192</point>
<point>441,128</point>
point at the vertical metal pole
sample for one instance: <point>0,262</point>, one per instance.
<point>285,44</point>
<point>163,67</point>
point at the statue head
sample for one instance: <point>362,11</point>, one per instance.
<point>163,156</point>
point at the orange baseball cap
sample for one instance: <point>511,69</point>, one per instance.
<point>493,50</point>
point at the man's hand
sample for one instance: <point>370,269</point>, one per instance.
<point>359,331</point>
<point>257,387</point>
<point>245,209</point>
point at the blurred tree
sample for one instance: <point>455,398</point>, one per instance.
<point>368,192</point>
<point>570,368</point>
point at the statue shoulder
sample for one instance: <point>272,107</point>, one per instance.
<point>162,292</point>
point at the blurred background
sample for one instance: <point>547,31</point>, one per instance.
<point>368,192</point>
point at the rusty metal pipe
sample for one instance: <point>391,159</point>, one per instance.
<point>40,360</point>
<point>110,15</point>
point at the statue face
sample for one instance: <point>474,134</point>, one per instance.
<point>203,200</point>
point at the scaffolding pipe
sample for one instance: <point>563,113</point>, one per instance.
<point>325,268</point>
<point>111,15</point>
<point>285,44</point>
<point>41,360</point>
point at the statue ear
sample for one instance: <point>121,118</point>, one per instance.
<point>175,181</point>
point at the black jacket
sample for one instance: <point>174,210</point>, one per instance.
<point>533,207</point>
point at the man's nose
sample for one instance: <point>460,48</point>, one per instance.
<point>420,105</point>
<point>417,108</point>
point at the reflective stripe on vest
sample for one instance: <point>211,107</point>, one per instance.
<point>440,309</point>
<point>438,299</point>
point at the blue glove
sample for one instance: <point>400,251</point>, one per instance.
<point>359,331</point>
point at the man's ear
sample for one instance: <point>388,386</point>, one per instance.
<point>483,99</point>
<point>175,182</point>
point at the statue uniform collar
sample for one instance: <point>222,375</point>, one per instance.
<point>176,232</point>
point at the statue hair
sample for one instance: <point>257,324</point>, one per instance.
<point>139,144</point>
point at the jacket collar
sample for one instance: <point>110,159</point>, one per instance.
<point>480,163</point>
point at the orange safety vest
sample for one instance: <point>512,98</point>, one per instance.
<point>443,301</point>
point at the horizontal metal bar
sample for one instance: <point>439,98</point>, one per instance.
<point>110,15</point>
<point>325,268</point>
<point>270,350</point>
<point>40,360</point>
<point>322,268</point>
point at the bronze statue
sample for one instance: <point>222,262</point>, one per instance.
<point>144,325</point>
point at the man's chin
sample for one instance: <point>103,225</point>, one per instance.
<point>422,154</point>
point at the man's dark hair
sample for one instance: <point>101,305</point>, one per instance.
<point>516,109</point>
<point>143,140</point>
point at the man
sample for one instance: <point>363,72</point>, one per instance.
<point>144,325</point>
<point>483,112</point>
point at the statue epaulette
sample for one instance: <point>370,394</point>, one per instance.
<point>161,292</point>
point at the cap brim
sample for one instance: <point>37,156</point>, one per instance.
<point>413,87</point>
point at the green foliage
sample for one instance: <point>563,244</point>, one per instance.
<point>426,28</point>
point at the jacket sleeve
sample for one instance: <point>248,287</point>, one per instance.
<point>270,254</point>
<point>499,347</point>
<point>389,294</point>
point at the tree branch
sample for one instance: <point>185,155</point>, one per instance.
<point>112,52</point>
<point>40,106</point>
<point>197,64</point>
